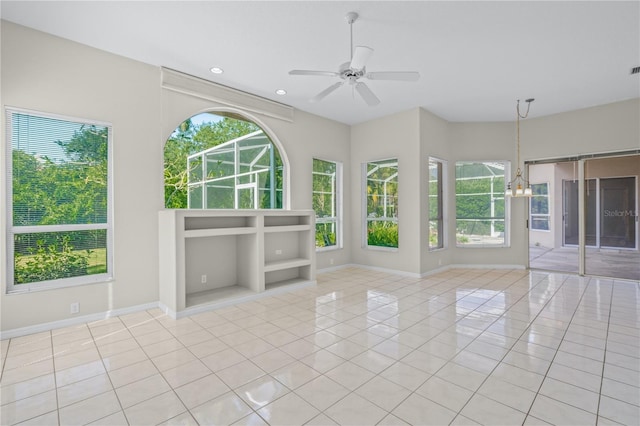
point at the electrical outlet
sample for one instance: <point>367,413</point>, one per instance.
<point>74,308</point>
<point>203,279</point>
<point>278,251</point>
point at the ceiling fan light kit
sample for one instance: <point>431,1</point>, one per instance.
<point>351,72</point>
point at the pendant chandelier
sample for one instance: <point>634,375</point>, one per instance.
<point>519,186</point>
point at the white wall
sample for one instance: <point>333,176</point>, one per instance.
<point>48,74</point>
<point>434,142</point>
<point>45,73</point>
<point>395,136</point>
<point>488,142</point>
<point>606,128</point>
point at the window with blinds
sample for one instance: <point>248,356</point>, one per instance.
<point>59,210</point>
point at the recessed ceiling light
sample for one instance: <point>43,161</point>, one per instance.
<point>216,70</point>
<point>281,92</point>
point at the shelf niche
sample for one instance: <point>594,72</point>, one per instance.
<point>239,255</point>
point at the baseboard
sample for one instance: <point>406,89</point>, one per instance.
<point>68,322</point>
<point>38,328</point>
<point>336,268</point>
<point>485,266</point>
<point>212,306</point>
<point>369,268</point>
<point>422,274</point>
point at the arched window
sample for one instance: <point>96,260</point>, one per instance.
<point>222,160</point>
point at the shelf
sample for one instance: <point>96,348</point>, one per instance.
<point>216,232</point>
<point>286,283</point>
<point>287,228</point>
<point>202,221</point>
<point>215,258</point>
<point>217,295</point>
<point>286,264</point>
<point>285,220</point>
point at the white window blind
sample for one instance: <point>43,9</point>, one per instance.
<point>59,209</point>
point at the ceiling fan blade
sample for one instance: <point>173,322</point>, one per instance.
<point>367,94</point>
<point>393,75</point>
<point>311,72</point>
<point>320,96</point>
<point>360,58</point>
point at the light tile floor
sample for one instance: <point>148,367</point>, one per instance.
<point>362,348</point>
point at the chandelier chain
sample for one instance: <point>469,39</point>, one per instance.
<point>519,180</point>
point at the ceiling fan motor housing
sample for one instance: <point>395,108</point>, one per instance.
<point>349,74</point>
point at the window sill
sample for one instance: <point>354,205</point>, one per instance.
<point>34,287</point>
<point>380,248</point>
<point>328,248</point>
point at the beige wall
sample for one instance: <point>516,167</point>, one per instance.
<point>488,142</point>
<point>395,136</point>
<point>49,74</point>
<point>45,73</point>
<point>606,128</point>
<point>434,142</point>
<point>79,81</point>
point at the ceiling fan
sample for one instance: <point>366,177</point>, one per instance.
<point>355,70</point>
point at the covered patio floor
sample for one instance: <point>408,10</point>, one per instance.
<point>606,262</point>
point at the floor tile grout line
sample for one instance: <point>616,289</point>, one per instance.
<point>411,392</point>
<point>171,388</point>
<point>459,413</point>
<point>329,378</point>
<point>602,377</point>
<point>4,361</point>
<point>55,379</point>
<point>342,338</point>
<point>113,388</point>
<point>380,283</point>
<point>561,340</point>
<point>604,358</point>
<point>231,390</point>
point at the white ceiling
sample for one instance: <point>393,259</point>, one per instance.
<point>475,58</point>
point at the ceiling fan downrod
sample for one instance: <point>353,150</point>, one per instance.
<point>351,17</point>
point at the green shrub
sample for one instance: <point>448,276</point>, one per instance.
<point>382,234</point>
<point>51,262</point>
<point>325,239</point>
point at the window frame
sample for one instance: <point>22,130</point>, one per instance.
<point>546,216</point>
<point>12,230</point>
<point>365,215</point>
<point>337,202</point>
<point>441,217</point>
<point>506,237</point>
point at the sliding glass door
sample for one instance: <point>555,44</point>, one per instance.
<point>618,212</point>
<point>592,210</point>
<point>570,204</point>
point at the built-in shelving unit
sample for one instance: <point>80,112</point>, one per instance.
<point>211,258</point>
